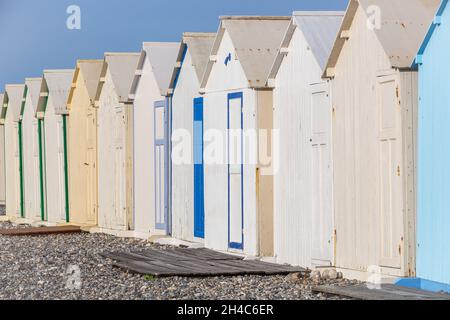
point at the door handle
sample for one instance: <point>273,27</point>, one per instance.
<point>86,164</point>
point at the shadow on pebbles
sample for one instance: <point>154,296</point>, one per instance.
<point>70,267</point>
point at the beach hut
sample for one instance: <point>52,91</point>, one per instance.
<point>13,150</point>
<point>82,143</point>
<point>374,99</point>
<point>433,214</point>
<point>303,183</point>
<point>151,118</point>
<point>238,122</point>
<point>52,109</point>
<point>187,194</point>
<point>32,137</point>
<point>115,142</point>
<point>3,107</point>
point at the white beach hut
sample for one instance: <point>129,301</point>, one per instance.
<point>115,142</point>
<point>303,184</point>
<point>188,214</point>
<point>151,138</point>
<point>374,92</point>
<point>13,150</point>
<point>52,109</point>
<point>32,130</point>
<point>238,122</point>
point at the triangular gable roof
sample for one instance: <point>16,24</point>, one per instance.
<point>437,21</point>
<point>404,25</point>
<point>319,29</point>
<point>34,86</point>
<point>91,70</point>
<point>15,94</point>
<point>58,84</point>
<point>199,45</point>
<point>122,67</point>
<point>257,42</point>
<point>162,57</point>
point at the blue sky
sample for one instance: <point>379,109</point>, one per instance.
<point>34,36</point>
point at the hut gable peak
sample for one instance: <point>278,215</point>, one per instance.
<point>34,86</point>
<point>256,40</point>
<point>90,71</point>
<point>162,57</point>
<point>58,84</point>
<point>199,45</point>
<point>401,27</point>
<point>121,68</point>
<point>319,29</point>
<point>15,93</point>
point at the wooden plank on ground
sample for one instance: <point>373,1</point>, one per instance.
<point>40,231</point>
<point>384,292</point>
<point>193,263</point>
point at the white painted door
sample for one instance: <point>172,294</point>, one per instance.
<point>120,189</point>
<point>35,204</point>
<point>91,164</point>
<point>235,172</point>
<point>161,169</point>
<point>17,169</point>
<point>61,201</point>
<point>321,176</point>
<point>390,183</point>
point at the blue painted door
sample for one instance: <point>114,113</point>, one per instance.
<point>199,199</point>
<point>161,166</point>
<point>235,172</point>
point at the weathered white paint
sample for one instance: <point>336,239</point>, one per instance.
<point>115,142</point>
<point>186,83</point>
<point>373,150</point>
<point>58,84</point>
<point>15,94</point>
<point>227,74</point>
<point>149,86</point>
<point>32,189</point>
<point>303,197</point>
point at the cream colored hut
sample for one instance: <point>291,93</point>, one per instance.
<point>82,142</point>
<point>151,139</point>
<point>52,109</point>
<point>188,210</point>
<point>303,183</point>
<point>13,150</point>
<point>115,142</point>
<point>238,123</point>
<point>374,93</point>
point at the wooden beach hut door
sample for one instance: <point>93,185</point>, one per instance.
<point>321,175</point>
<point>199,196</point>
<point>390,180</point>
<point>91,165</point>
<point>235,172</point>
<point>120,189</point>
<point>161,167</point>
<point>61,169</point>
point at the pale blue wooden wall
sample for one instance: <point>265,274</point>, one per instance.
<point>433,217</point>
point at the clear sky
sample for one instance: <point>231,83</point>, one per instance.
<point>34,34</point>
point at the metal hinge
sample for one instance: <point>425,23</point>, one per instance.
<point>398,171</point>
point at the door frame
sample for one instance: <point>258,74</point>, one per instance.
<point>384,77</point>
<point>201,215</point>
<point>230,97</point>
<point>316,88</point>
<point>166,226</point>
